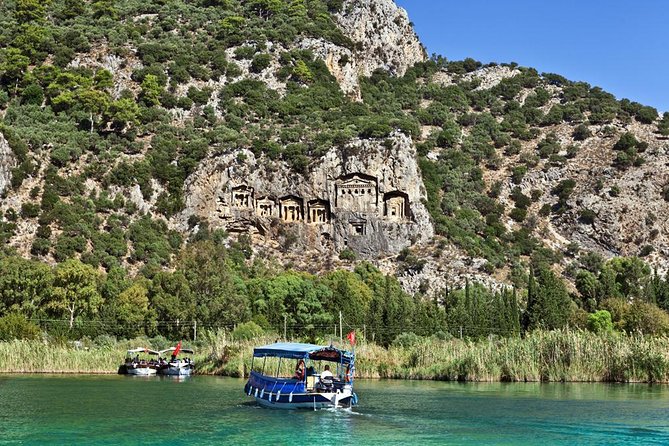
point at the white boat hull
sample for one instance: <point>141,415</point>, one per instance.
<point>141,371</point>
<point>173,370</point>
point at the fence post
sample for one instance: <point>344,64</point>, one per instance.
<point>341,338</point>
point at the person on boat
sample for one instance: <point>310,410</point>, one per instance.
<point>299,370</point>
<point>326,372</point>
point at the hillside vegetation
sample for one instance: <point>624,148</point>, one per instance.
<point>551,192</point>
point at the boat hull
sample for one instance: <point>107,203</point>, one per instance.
<point>303,400</point>
<point>140,371</point>
<point>176,371</point>
<point>308,401</point>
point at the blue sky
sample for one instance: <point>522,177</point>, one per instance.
<point>619,45</point>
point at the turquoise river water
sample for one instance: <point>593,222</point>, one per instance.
<point>106,410</point>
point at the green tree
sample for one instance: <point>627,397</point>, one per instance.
<point>302,72</point>
<point>631,275</point>
<point>130,309</point>
<point>124,113</point>
<point>350,295</point>
<point>16,326</point>
<point>13,64</point>
<point>75,290</point>
<point>550,305</point>
<point>600,322</point>
<point>589,287</point>
<point>219,291</point>
<point>24,285</point>
<point>30,10</point>
<point>297,298</point>
<point>73,8</point>
<point>94,103</point>
<point>104,8</point>
<point>151,90</point>
<point>663,124</point>
<point>173,302</point>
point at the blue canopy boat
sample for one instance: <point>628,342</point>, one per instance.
<point>311,386</point>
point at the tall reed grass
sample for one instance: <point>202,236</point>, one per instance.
<point>569,356</point>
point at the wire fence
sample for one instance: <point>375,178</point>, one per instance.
<point>190,329</point>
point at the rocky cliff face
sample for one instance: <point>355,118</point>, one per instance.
<point>365,196</point>
<point>384,39</point>
<point>383,33</point>
<point>612,211</point>
<point>7,163</point>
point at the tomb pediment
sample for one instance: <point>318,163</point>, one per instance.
<point>291,208</point>
<point>357,192</point>
<point>242,196</point>
<point>318,211</point>
<point>267,207</point>
<point>396,206</point>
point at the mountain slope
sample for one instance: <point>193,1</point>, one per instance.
<point>319,132</point>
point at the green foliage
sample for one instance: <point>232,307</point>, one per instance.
<point>548,302</point>
<point>16,326</point>
<point>75,291</point>
<point>347,254</point>
<point>628,148</point>
<point>74,120</point>
<point>151,90</point>
<point>260,62</point>
<point>247,331</point>
<point>663,125</point>
<point>600,322</point>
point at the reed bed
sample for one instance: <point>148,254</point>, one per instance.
<point>566,356</point>
<point>558,356</point>
<point>38,357</point>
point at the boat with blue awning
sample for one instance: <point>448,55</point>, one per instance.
<point>289,375</point>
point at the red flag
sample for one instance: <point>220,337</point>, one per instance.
<point>351,337</point>
<point>177,349</point>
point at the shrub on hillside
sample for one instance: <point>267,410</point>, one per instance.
<point>600,322</point>
<point>16,326</point>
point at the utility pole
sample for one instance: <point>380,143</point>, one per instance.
<point>194,330</point>
<point>341,338</point>
<point>285,322</point>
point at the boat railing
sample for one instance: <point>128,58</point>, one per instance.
<point>269,384</point>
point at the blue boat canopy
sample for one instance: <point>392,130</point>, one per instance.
<point>303,351</point>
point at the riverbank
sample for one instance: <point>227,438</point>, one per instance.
<point>559,356</point>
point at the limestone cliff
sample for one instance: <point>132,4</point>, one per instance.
<point>366,196</point>
<point>383,33</point>
<point>7,163</point>
<point>384,39</point>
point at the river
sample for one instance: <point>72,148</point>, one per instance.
<point>106,410</point>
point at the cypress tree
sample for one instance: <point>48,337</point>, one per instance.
<point>549,307</point>
<point>531,300</point>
